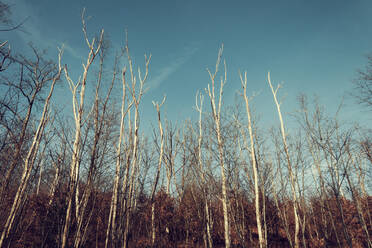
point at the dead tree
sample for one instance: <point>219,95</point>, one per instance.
<point>216,114</point>
<point>157,175</point>
<point>289,163</point>
<point>201,169</point>
<point>251,148</point>
<point>78,95</point>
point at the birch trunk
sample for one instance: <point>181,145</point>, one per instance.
<point>199,108</point>
<point>153,229</point>
<point>98,126</point>
<point>261,238</point>
<point>289,164</point>
<point>78,111</point>
<point>216,112</point>
<point>136,95</point>
<point>111,227</point>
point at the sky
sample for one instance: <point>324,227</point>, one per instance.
<point>313,47</point>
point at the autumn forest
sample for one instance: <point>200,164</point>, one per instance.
<point>91,176</point>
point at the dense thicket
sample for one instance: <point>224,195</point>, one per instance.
<point>90,176</point>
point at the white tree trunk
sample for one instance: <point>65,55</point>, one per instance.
<point>261,237</point>
<point>153,228</point>
<point>216,112</point>
<point>78,111</point>
<point>289,164</point>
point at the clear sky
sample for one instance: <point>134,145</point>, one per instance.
<point>311,46</point>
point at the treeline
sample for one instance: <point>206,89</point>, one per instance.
<point>90,177</point>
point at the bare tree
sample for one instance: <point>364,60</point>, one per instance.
<point>31,156</point>
<point>292,176</point>
<point>261,237</point>
<point>99,121</point>
<point>78,111</point>
<point>201,169</point>
<point>136,93</point>
<point>19,101</point>
<point>329,145</point>
<point>358,193</point>
<point>171,147</point>
<point>363,85</point>
<point>216,113</point>
<point>111,228</point>
<point>156,180</point>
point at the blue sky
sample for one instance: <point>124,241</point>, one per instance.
<point>312,47</point>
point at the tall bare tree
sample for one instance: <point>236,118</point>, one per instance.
<point>257,184</point>
<point>201,169</point>
<point>78,113</point>
<point>100,120</point>
<point>216,114</point>
<point>157,175</point>
<point>136,92</point>
<point>292,176</point>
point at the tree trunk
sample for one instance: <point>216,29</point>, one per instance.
<point>261,238</point>
<point>289,164</point>
<point>216,112</point>
<point>78,110</point>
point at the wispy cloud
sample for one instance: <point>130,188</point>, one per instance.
<point>32,29</point>
<point>73,52</point>
<point>169,69</point>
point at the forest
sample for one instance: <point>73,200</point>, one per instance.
<point>91,176</point>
